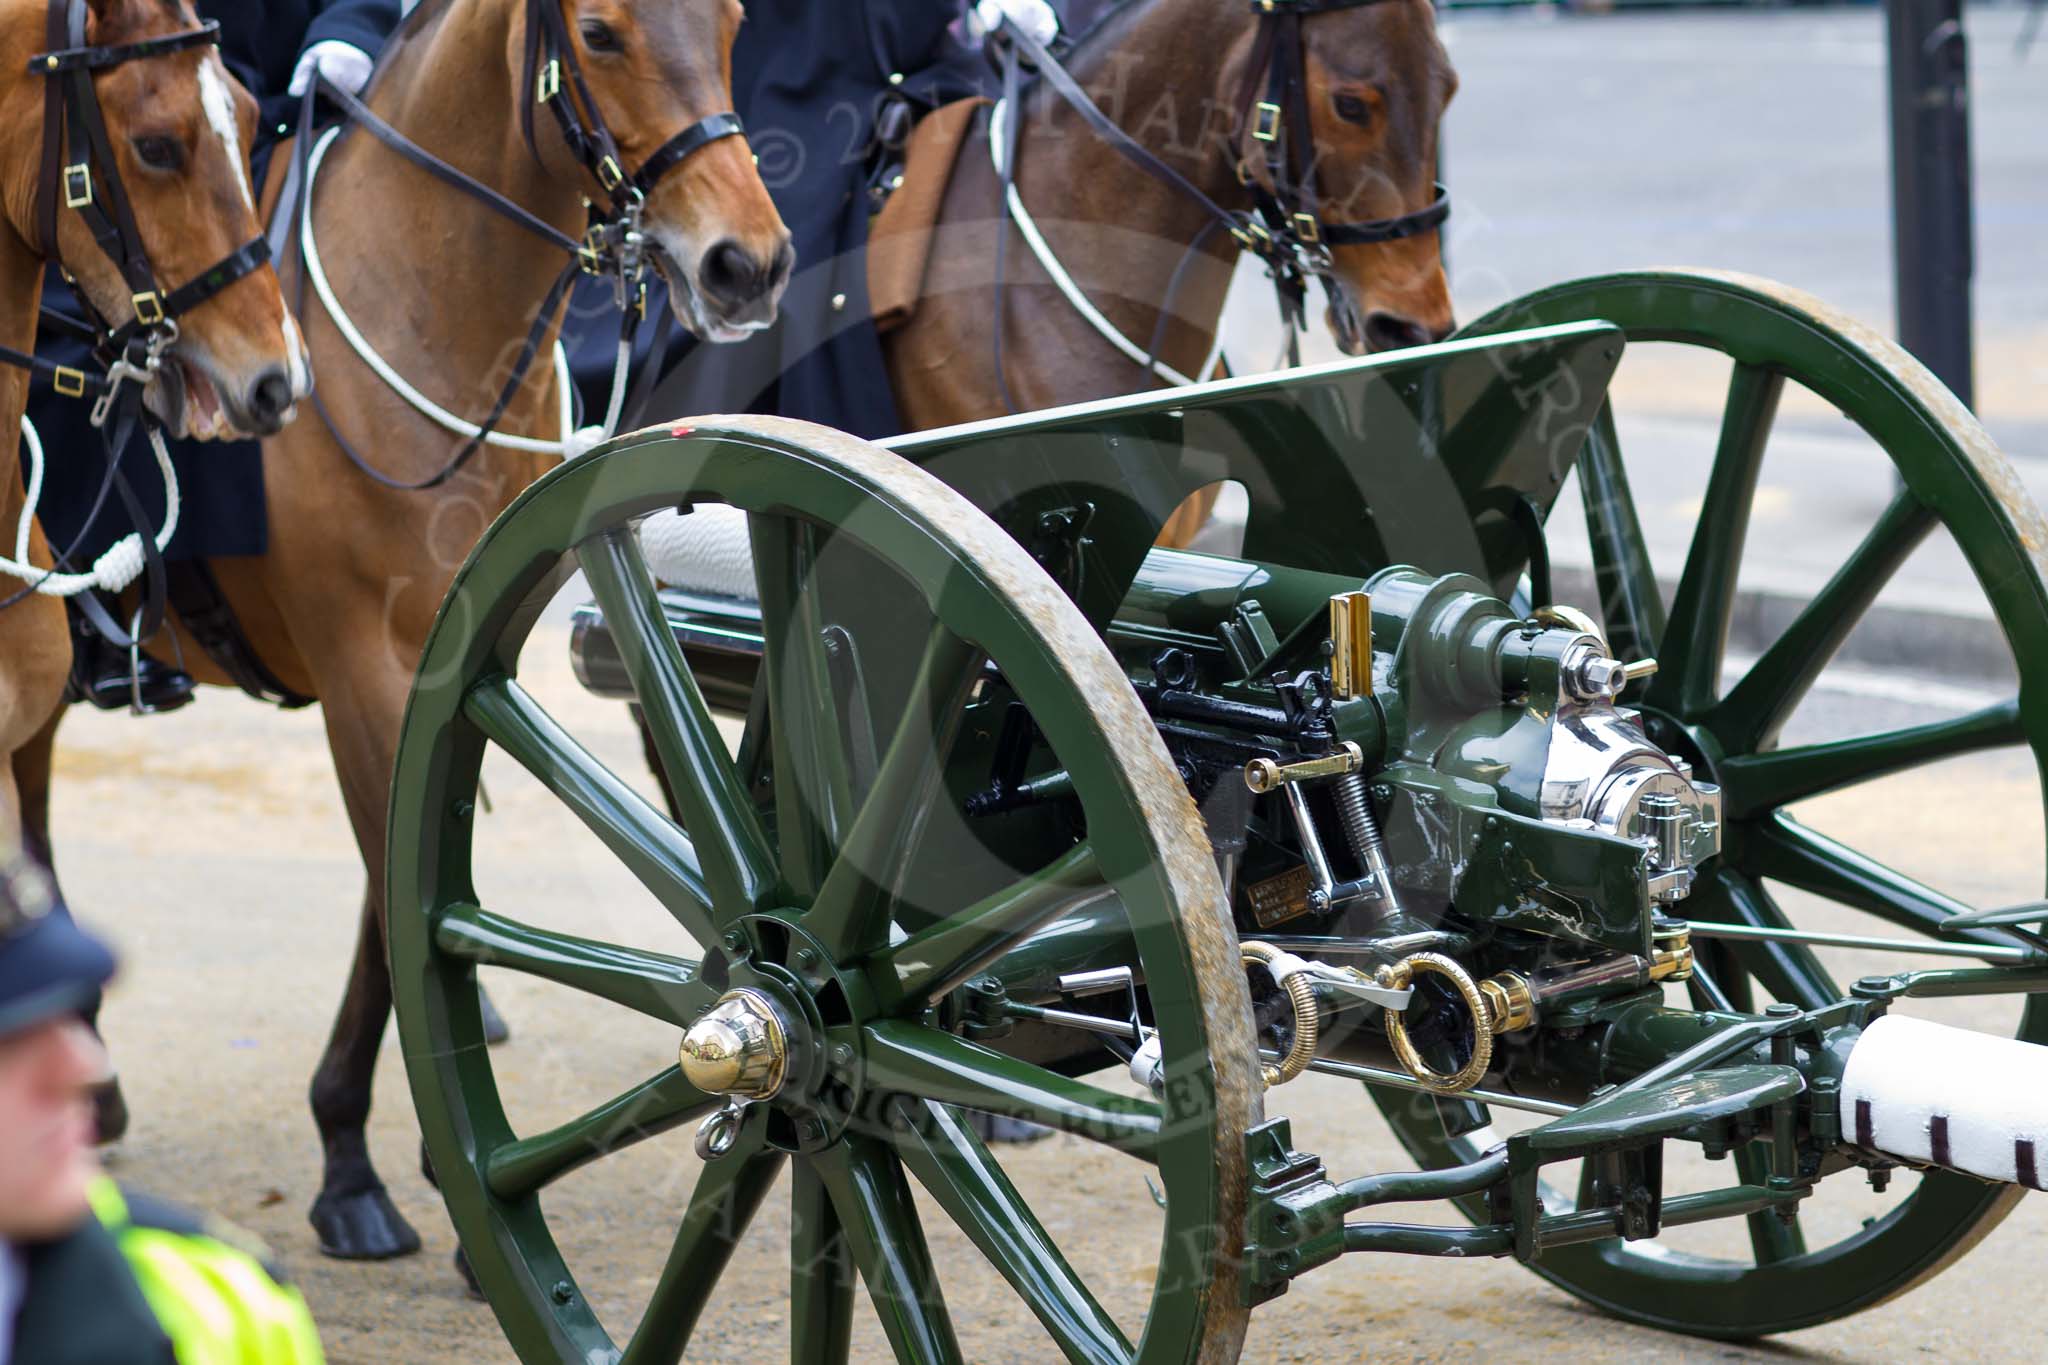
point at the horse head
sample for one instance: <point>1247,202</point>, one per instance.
<point>1377,82</point>
<point>654,71</point>
<point>178,127</point>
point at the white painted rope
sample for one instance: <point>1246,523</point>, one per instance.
<point>1065,282</point>
<point>572,442</point>
<point>120,565</point>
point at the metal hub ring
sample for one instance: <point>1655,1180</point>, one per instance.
<point>1403,974</point>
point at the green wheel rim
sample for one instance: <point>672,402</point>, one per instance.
<point>753,895</point>
<point>1952,476</point>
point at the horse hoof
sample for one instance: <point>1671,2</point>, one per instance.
<point>109,1111</point>
<point>469,1280</point>
<point>1002,1128</point>
<point>363,1226</point>
<point>495,1029</point>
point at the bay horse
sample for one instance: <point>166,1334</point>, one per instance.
<point>1177,76</point>
<point>444,288</point>
<point>176,124</point>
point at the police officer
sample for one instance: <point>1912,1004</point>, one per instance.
<point>89,1273</point>
<point>273,47</point>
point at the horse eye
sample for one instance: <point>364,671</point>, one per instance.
<point>159,153</point>
<point>1352,109</point>
<point>598,36</point>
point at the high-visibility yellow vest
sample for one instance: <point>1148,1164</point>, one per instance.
<point>216,1301</point>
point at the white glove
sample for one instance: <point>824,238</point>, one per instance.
<point>1035,17</point>
<point>345,64</point>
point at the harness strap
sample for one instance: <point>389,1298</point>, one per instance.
<point>210,620</point>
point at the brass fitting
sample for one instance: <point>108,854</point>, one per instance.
<point>1402,974</point>
<point>736,1048</point>
<point>1511,1005</point>
<point>1288,972</point>
<point>1264,775</point>
<point>1351,645</point>
<point>1671,954</point>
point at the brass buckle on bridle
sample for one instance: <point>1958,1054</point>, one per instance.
<point>149,307</point>
<point>609,173</point>
<point>77,186</point>
<point>549,83</point>
<point>1308,229</point>
<point>68,382</point>
<point>1266,121</point>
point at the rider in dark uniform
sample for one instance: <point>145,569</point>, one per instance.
<point>813,82</point>
<point>271,46</point>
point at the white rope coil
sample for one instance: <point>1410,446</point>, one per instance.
<point>1065,282</point>
<point>122,564</point>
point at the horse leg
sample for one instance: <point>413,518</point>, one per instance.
<point>354,1215</point>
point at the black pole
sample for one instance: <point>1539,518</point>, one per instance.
<point>1932,248</point>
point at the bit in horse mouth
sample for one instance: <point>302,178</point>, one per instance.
<point>188,404</point>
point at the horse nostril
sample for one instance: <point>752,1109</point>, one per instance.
<point>731,276</point>
<point>1391,332</point>
<point>270,398</point>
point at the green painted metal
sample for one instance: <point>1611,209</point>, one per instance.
<point>861,1040</point>
<point>1951,477</point>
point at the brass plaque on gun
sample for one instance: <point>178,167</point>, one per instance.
<point>1282,898</point>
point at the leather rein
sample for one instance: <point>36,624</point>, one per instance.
<point>1285,227</point>
<point>613,246</point>
<point>78,165</point>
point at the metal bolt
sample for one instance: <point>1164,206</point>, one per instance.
<point>563,1293</point>
<point>463,809</point>
<point>1781,1010</point>
<point>735,940</point>
<point>806,958</point>
<point>842,1055</point>
<point>811,1131</point>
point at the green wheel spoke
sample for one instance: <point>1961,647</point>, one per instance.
<point>1757,707</point>
<point>880,1223</point>
<point>1791,972</point>
<point>814,803</point>
<point>1788,851</point>
<point>1757,784</point>
<point>1771,1237</point>
<point>653,984</point>
<point>956,1169</point>
<point>738,865</point>
<point>1690,677</point>
<point>925,1063</point>
<point>821,1273</point>
<point>728,1192</point>
<point>1627,581</point>
<point>936,960</point>
<point>653,1107</point>
<point>643,838</point>
<point>853,911</point>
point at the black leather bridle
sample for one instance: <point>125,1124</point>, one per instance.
<point>78,166</point>
<point>613,245</point>
<point>1285,227</point>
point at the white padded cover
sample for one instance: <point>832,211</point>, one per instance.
<point>1951,1097</point>
<point>705,551</point>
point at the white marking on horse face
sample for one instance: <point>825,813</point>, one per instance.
<point>219,103</point>
<point>301,360</point>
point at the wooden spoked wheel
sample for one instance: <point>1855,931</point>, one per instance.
<point>798,901</point>
<point>1950,475</point>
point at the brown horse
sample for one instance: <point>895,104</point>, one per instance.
<point>177,125</point>
<point>1174,75</point>
<point>444,289</point>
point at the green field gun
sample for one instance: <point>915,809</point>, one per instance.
<point>976,804</point>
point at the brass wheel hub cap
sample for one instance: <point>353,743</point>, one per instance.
<point>737,1047</point>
